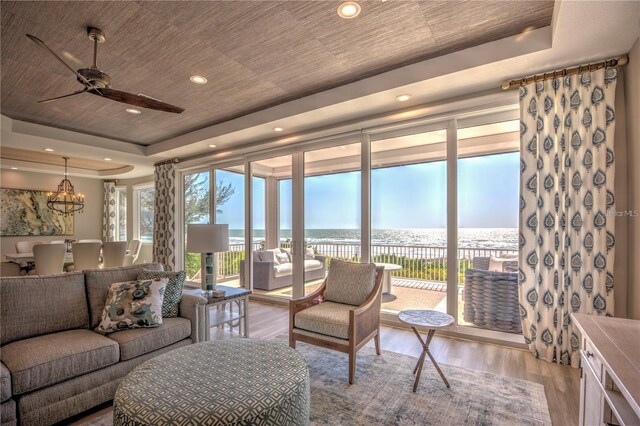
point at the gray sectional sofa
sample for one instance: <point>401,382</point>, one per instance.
<point>269,273</point>
<point>53,365</point>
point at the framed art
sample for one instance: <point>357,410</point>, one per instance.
<point>24,212</point>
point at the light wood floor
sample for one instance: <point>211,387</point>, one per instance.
<point>561,383</point>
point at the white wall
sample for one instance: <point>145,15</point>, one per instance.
<point>632,95</point>
<point>87,224</point>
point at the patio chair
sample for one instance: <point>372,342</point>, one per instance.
<point>491,298</point>
<point>343,314</point>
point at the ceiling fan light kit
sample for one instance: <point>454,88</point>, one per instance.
<point>97,82</point>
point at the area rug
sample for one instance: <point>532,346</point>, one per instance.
<point>382,394</point>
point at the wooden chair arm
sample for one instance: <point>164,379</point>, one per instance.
<point>302,303</point>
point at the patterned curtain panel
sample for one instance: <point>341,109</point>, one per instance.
<point>109,212</point>
<point>164,219</point>
<point>566,191</point>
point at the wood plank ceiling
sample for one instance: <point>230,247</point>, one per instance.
<point>255,54</point>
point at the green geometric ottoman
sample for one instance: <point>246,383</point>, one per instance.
<point>230,382</point>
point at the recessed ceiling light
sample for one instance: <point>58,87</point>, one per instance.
<point>107,159</point>
<point>48,149</point>
<point>133,111</point>
<point>349,10</point>
<point>278,129</point>
<point>403,98</point>
<point>198,79</point>
<point>14,168</point>
<point>212,145</point>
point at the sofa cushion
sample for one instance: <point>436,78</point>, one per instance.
<point>37,305</point>
<point>134,304</point>
<point>350,283</point>
<point>5,383</point>
<point>328,318</point>
<point>139,341</point>
<point>44,360</point>
<point>99,280</point>
<point>312,265</point>
<point>173,291</point>
<point>282,270</point>
<point>286,268</point>
<point>8,415</point>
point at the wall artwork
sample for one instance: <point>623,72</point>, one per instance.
<point>24,212</point>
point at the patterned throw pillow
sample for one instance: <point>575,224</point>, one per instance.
<point>133,304</point>
<point>173,292</point>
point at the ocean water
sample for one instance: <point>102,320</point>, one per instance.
<point>490,238</point>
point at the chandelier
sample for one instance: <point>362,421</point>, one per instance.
<point>65,201</point>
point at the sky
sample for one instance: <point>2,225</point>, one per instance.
<point>412,196</point>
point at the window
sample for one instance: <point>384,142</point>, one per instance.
<point>121,213</point>
<point>196,210</point>
<point>143,198</point>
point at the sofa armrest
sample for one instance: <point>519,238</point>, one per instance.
<point>192,307</point>
<point>263,256</point>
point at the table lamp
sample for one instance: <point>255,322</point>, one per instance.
<point>208,239</point>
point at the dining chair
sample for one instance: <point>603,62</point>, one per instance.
<point>9,269</point>
<point>85,256</point>
<point>133,250</point>
<point>90,240</point>
<point>113,253</point>
<point>49,258</point>
<point>56,242</point>
<point>26,246</point>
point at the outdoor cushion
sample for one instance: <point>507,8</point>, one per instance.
<point>33,306</point>
<point>173,291</point>
<point>140,341</point>
<point>350,283</point>
<point>286,268</point>
<point>133,304</point>
<point>328,318</point>
<point>5,383</point>
<point>99,280</point>
<point>44,360</point>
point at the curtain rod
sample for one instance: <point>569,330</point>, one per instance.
<point>620,61</point>
<point>172,161</point>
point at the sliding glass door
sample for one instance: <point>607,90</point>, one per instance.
<point>409,218</point>
<point>332,230</point>
<point>488,205</point>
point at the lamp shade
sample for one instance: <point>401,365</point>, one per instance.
<point>207,238</point>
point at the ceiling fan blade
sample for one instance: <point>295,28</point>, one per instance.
<point>63,96</point>
<point>40,43</point>
<point>137,100</point>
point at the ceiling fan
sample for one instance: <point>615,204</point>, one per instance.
<point>98,83</point>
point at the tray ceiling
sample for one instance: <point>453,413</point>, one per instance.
<point>255,54</point>
<point>36,157</point>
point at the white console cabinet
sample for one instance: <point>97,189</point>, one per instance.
<point>610,362</point>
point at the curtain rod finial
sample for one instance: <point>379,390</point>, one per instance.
<point>506,85</point>
<point>623,60</point>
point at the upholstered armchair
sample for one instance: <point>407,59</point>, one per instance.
<point>343,314</point>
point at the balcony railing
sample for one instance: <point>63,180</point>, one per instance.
<point>418,262</point>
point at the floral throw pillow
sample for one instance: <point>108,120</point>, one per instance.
<point>173,291</point>
<point>133,304</point>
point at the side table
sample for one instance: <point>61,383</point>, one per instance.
<point>432,320</point>
<point>222,315</point>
